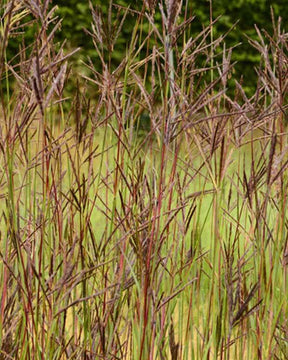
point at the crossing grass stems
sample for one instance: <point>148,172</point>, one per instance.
<point>119,243</point>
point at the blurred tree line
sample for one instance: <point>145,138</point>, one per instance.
<point>77,16</point>
<point>246,13</point>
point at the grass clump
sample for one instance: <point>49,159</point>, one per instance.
<point>123,243</point>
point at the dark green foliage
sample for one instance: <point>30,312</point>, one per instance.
<point>246,13</point>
